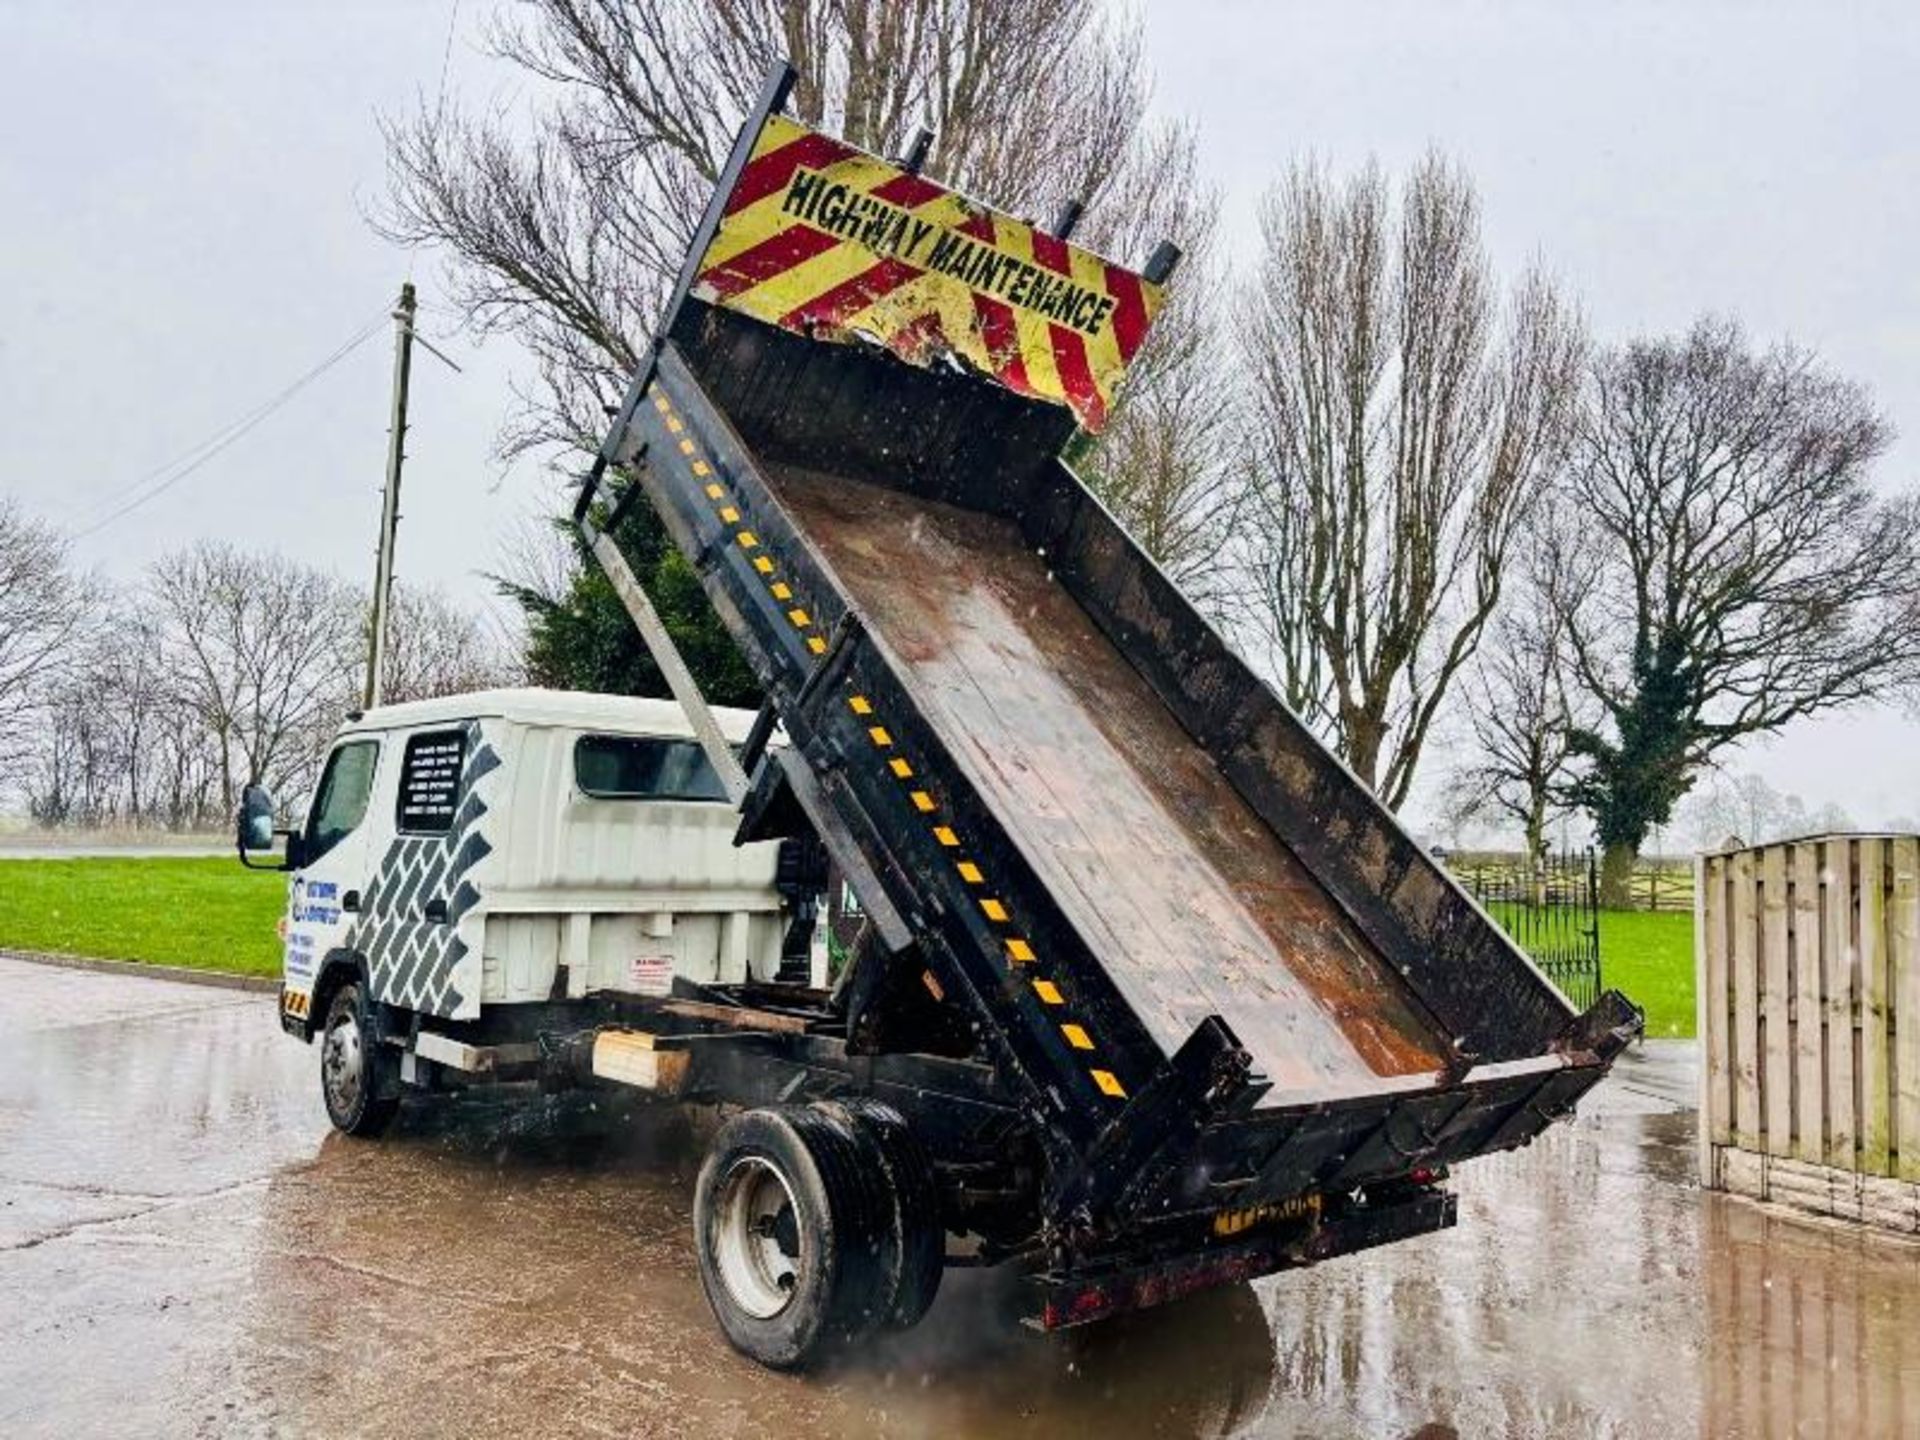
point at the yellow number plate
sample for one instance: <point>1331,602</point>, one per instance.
<point>1298,1207</point>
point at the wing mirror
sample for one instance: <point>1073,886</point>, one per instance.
<point>254,831</point>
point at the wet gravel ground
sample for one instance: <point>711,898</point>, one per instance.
<point>185,1248</point>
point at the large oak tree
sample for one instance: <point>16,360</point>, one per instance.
<point>1738,572</point>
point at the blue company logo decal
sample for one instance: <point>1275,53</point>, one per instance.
<point>316,901</point>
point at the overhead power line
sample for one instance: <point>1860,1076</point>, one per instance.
<point>158,481</point>
<point>440,103</point>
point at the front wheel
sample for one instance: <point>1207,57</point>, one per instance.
<point>359,1078</point>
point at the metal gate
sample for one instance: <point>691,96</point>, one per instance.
<point>1551,908</point>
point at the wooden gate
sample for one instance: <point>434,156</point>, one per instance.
<point>1808,956</point>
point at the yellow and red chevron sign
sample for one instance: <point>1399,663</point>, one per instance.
<point>829,241</point>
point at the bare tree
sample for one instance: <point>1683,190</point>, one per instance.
<point>70,781</point>
<point>262,651</point>
<point>1402,426</point>
<point>567,232</point>
<point>95,738</point>
<point>1164,463</point>
<point>224,668</point>
<point>1520,714</point>
<point>436,648</point>
<point>44,608</point>
<point>1745,809</point>
<point>1739,571</point>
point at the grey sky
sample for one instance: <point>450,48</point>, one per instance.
<point>183,187</point>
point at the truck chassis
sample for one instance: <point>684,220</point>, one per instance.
<point>783,1047</point>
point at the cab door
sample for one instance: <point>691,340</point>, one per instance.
<point>330,885</point>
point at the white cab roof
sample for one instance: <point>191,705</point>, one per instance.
<point>576,709</point>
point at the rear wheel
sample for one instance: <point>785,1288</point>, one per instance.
<point>359,1078</point>
<point>915,1251</point>
<point>791,1224</point>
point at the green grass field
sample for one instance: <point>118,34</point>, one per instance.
<point>1649,958</point>
<point>1648,955</point>
<point>209,913</point>
<point>206,912</point>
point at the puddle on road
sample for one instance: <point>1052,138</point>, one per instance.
<point>519,1271</point>
<point>509,1274</point>
<point>499,1269</point>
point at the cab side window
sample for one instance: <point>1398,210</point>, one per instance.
<point>622,767</point>
<point>340,804</point>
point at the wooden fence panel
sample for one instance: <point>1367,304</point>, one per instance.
<point>1870,1086</point>
<point>1717,997</point>
<point>1903,968</point>
<point>1837,964</point>
<point>1809,1012</point>
<point>1776,1000</point>
<point>1808,958</point>
<point>1746,1006</point>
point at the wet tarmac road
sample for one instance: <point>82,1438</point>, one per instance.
<point>186,1249</point>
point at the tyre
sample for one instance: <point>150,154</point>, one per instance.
<point>792,1221</point>
<point>359,1077</point>
<point>916,1248</point>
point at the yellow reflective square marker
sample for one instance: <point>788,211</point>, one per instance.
<point>1077,1037</point>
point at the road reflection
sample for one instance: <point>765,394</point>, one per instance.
<point>520,1270</point>
<point>1812,1327</point>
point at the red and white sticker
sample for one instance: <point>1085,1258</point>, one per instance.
<point>651,974</point>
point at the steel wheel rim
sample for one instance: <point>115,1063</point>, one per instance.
<point>343,1064</point>
<point>756,1243</point>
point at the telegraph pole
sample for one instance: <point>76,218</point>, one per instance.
<point>390,496</point>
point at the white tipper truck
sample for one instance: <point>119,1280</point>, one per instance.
<point>1151,993</point>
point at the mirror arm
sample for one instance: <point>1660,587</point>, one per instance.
<point>281,862</point>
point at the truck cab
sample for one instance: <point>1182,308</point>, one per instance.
<point>517,848</point>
